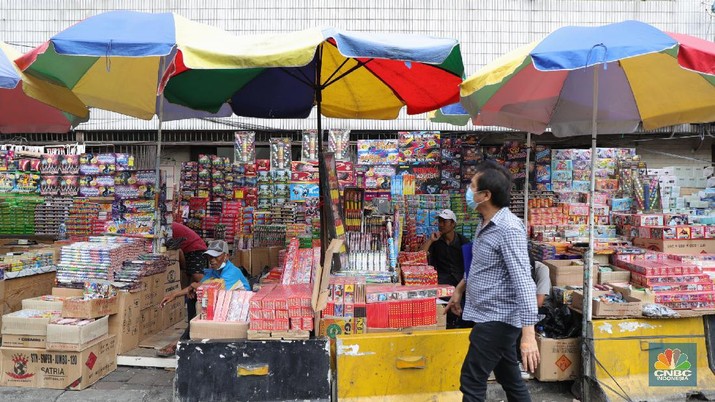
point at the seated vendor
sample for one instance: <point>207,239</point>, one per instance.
<point>220,268</point>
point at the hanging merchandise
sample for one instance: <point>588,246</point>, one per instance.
<point>280,153</point>
<point>419,148</point>
<point>377,152</point>
<point>244,147</point>
<point>309,151</point>
<point>339,143</point>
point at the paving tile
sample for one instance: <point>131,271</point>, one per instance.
<point>95,395</point>
<point>107,385</point>
<point>142,378</point>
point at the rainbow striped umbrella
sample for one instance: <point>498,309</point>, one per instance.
<point>114,61</point>
<point>356,75</point>
<point>20,113</point>
<point>645,76</point>
<point>596,80</point>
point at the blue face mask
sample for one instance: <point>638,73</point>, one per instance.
<point>471,204</point>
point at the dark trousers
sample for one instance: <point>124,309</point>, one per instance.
<point>190,313</point>
<point>492,347</point>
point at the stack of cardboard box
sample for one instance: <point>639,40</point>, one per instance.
<point>42,349</point>
<point>174,311</point>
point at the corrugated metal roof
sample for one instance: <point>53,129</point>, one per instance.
<point>485,28</point>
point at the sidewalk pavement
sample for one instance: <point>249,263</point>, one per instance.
<point>134,384</point>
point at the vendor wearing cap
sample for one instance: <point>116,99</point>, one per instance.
<point>221,268</point>
<point>444,249</point>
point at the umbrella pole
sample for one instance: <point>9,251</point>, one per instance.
<point>156,244</point>
<point>526,182</point>
<point>322,169</point>
<point>588,266</point>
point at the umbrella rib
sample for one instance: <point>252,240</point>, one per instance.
<point>302,79</point>
<point>345,61</point>
<point>338,78</point>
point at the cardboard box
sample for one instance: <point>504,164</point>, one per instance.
<point>642,294</point>
<point>147,291</point>
<point>125,324</point>
<point>260,258</point>
<point>263,256</point>
<point>689,247</point>
<point>24,341</point>
<point>150,322</point>
<point>560,359</point>
<point>599,309</point>
<point>173,271</point>
<point>618,275</point>
<point>73,338</point>
<point>16,324</point>
<point>563,295</point>
<point>36,368</point>
<point>172,312</point>
<point>75,307</point>
<point>66,292</point>
<point>242,258</point>
<point>204,329</point>
<point>36,303</point>
<point>157,290</point>
<point>14,291</point>
<point>171,287</point>
<point>331,327</point>
<point>565,272</point>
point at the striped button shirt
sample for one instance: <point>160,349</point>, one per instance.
<point>500,286</point>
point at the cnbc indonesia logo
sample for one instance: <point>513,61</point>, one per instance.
<point>672,367</point>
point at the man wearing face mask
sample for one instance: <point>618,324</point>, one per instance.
<point>220,268</point>
<point>499,293</point>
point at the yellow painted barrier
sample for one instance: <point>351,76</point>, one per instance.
<point>651,359</point>
<point>409,367</point>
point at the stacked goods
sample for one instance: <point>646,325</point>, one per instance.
<point>368,253</point>
<point>415,270</point>
<point>189,179</point>
<point>51,214</point>
<point>282,308</point>
<point>269,235</point>
<point>541,176</point>
<point>346,298</point>
<point>419,275</point>
<point>132,271</point>
<point>224,305</point>
<point>82,218</point>
<point>402,313</point>
<point>381,293</point>
<point>26,263</point>
<point>46,345</point>
<point>675,284</point>
<point>17,214</point>
<point>299,263</point>
<point>451,173</point>
<point>97,259</point>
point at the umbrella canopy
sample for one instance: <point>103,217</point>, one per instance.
<point>114,61</point>
<point>351,74</point>
<point>20,113</point>
<point>453,114</point>
<point>645,76</point>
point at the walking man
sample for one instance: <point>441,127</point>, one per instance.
<point>500,292</point>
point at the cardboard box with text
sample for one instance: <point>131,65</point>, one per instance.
<point>38,368</point>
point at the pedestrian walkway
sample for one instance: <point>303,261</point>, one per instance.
<point>126,384</point>
<point>134,384</point>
